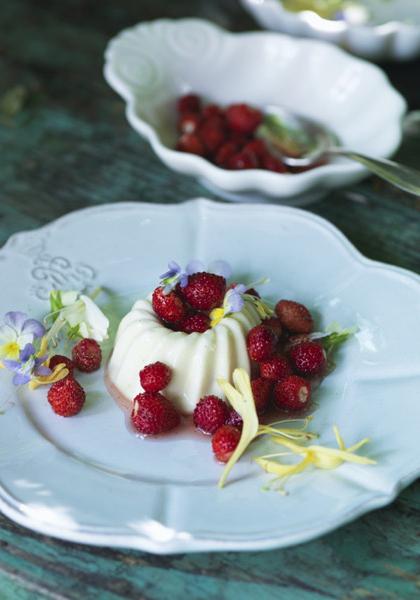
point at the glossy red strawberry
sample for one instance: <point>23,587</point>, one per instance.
<point>155,377</point>
<point>195,323</point>
<point>59,359</point>
<point>295,317</point>
<point>87,355</point>
<point>242,118</point>
<point>153,414</point>
<point>261,390</point>
<point>189,103</point>
<point>168,307</point>
<point>261,343</point>
<point>210,414</point>
<point>275,368</point>
<point>224,442</point>
<point>204,291</point>
<point>292,393</point>
<point>66,397</point>
<point>308,358</point>
<point>190,142</point>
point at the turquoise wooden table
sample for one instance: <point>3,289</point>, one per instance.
<point>65,144</point>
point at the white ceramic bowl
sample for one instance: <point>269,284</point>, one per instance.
<point>151,64</point>
<point>385,38</point>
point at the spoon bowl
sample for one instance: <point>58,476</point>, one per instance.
<point>303,142</point>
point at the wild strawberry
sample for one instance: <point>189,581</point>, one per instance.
<point>58,359</point>
<point>189,122</point>
<point>195,323</point>
<point>243,118</point>
<point>274,324</point>
<point>204,291</point>
<point>189,103</point>
<point>210,414</point>
<point>257,147</point>
<point>66,397</point>
<point>271,163</point>
<point>212,134</point>
<point>212,110</point>
<point>275,368</point>
<point>224,442</point>
<point>234,419</point>
<point>168,307</point>
<point>190,142</point>
<point>261,343</point>
<point>153,413</point>
<point>292,393</point>
<point>243,160</point>
<point>294,316</point>
<point>155,377</point>
<point>308,358</point>
<point>224,153</point>
<point>87,355</point>
<point>261,390</point>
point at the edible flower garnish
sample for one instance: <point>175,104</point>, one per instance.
<point>17,331</point>
<point>176,275</point>
<point>79,314</point>
<point>318,456</point>
<point>234,301</point>
<point>31,366</point>
<point>241,399</point>
<point>28,365</point>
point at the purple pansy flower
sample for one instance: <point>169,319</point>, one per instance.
<point>16,332</point>
<point>28,366</point>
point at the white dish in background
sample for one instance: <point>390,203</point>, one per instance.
<point>392,34</point>
<point>150,65</point>
<point>87,479</point>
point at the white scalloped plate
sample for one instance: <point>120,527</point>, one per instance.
<point>393,34</point>
<point>153,63</point>
<point>87,479</point>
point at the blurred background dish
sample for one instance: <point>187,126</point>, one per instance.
<point>373,29</point>
<point>152,64</point>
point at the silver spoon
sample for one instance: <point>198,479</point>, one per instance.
<point>301,142</point>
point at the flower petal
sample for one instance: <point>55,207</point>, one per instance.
<point>21,379</point>
<point>12,365</point>
<point>95,319</point>
<point>194,266</point>
<point>220,267</point>
<point>34,327</point>
<point>27,352</point>
<point>15,319</point>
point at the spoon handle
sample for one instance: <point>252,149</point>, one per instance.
<point>402,177</point>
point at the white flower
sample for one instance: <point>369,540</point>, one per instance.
<point>83,317</point>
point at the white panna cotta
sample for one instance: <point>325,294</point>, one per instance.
<point>197,360</point>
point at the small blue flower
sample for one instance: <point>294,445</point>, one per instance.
<point>28,366</point>
<point>234,299</point>
<point>176,275</point>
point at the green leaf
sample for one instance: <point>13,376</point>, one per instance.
<point>337,337</point>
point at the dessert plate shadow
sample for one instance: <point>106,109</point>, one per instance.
<point>88,479</point>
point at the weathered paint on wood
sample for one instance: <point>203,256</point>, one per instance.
<point>70,146</point>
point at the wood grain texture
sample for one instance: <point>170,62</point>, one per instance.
<point>69,147</point>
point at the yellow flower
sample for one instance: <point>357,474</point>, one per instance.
<point>318,456</point>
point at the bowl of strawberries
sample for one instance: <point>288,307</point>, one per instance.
<point>200,95</point>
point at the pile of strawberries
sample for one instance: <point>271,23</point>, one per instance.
<point>284,361</point>
<point>187,308</point>
<point>226,137</point>
<point>67,396</point>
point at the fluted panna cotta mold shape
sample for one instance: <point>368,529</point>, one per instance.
<point>197,360</point>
